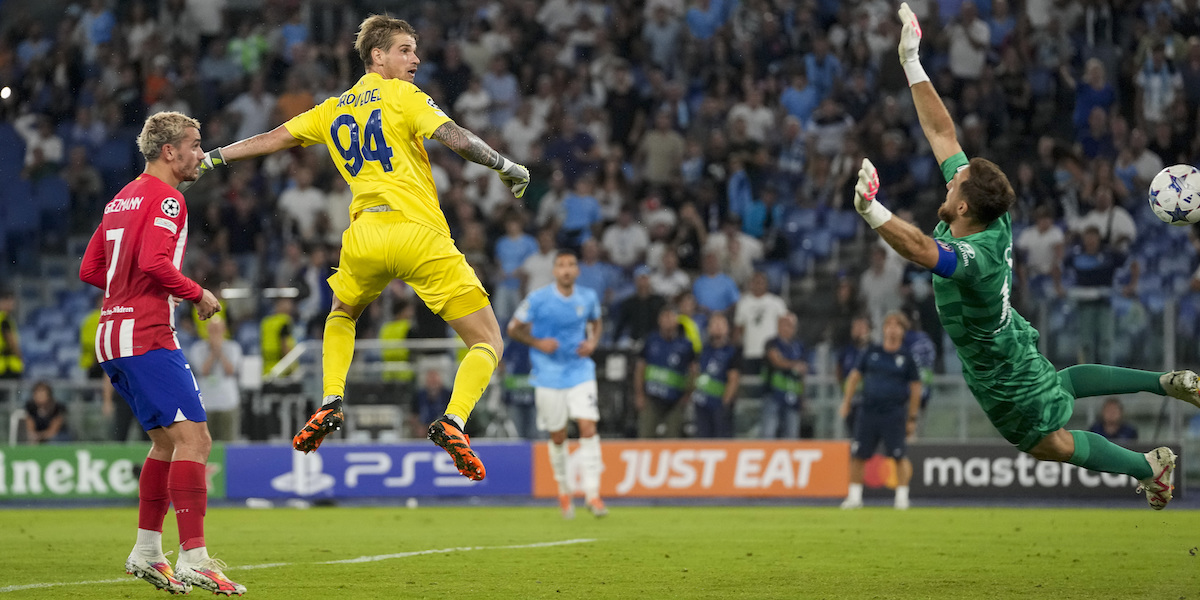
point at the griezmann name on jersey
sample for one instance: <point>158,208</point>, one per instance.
<point>134,256</point>
<point>375,133</point>
<point>565,319</point>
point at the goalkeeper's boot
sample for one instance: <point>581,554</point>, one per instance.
<point>596,506</point>
<point>157,571</point>
<point>1184,385</point>
<point>567,506</point>
<point>207,573</point>
<point>1159,485</point>
<point>326,420</point>
<point>445,433</point>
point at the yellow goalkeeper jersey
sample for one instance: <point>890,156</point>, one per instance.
<point>374,132</point>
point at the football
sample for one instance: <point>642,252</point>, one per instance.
<point>1175,195</point>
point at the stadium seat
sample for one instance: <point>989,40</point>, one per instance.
<point>798,262</point>
<point>53,200</point>
<point>12,153</point>
<point>819,243</point>
<point>844,223</point>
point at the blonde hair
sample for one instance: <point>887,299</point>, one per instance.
<point>379,31</point>
<point>900,318</point>
<point>163,128</point>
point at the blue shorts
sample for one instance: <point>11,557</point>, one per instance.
<point>871,427</point>
<point>159,387</point>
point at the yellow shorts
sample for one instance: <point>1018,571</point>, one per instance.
<point>381,246</point>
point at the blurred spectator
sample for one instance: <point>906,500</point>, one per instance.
<point>1114,223</point>
<point>637,314</point>
<point>756,320</point>
<point>715,291</point>
<point>520,133</point>
<point>45,418</point>
<point>396,330</point>
<point>663,36</point>
<point>823,68</point>
<point>511,251</point>
<point>759,119</point>
<point>1094,264</point>
<point>1112,424</point>
<point>669,280</point>
<point>472,105</point>
<point>580,213</point>
<point>537,270</point>
<point>879,287</point>
<point>300,204</point>
<point>43,148</point>
<point>1157,83</point>
<point>625,241</point>
<point>12,366</point>
<point>662,378</point>
<point>1039,257</point>
<point>735,250</point>
<point>717,379</point>
<point>1146,163</point>
<point>518,392</point>
<point>969,38</point>
<point>784,382</point>
<point>846,359</point>
<point>253,109</point>
<point>277,334</point>
<point>429,402</point>
<point>660,153</point>
<point>217,360</point>
<point>1093,92</point>
<point>597,274</point>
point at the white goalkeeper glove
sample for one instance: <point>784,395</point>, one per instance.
<point>874,213</point>
<point>515,176</point>
<point>212,159</point>
<point>910,45</point>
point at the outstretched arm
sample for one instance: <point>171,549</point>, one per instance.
<point>902,236</point>
<point>935,119</point>
<point>264,143</point>
<point>469,146</point>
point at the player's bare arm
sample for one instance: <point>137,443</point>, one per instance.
<point>260,145</point>
<point>588,345</point>
<point>935,120</point>
<point>469,146</point>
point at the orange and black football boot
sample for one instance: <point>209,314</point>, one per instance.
<point>445,433</point>
<point>326,420</point>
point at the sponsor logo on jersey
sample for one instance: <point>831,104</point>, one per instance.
<point>966,252</point>
<point>116,310</point>
<point>170,207</point>
<point>167,224</point>
<point>122,204</point>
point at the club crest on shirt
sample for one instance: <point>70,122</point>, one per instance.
<point>899,361</point>
<point>579,311</point>
<point>170,207</point>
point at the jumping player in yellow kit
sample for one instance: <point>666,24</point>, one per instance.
<point>375,132</point>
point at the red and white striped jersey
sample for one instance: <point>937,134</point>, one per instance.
<point>134,256</point>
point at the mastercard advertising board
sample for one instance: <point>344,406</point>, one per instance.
<point>708,468</point>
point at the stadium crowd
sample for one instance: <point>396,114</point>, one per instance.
<point>698,155</point>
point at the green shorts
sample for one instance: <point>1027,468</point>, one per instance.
<point>1026,405</point>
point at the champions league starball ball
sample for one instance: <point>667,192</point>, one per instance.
<point>1175,195</point>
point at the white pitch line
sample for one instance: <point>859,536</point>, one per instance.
<point>360,559</point>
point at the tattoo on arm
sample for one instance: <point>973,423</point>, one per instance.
<point>467,145</point>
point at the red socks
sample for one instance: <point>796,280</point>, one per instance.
<point>152,494</point>
<point>189,494</point>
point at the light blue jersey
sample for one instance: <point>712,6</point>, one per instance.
<point>564,319</point>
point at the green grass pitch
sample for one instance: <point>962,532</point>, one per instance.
<point>637,552</point>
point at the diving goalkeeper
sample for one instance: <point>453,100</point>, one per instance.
<point>970,255</point>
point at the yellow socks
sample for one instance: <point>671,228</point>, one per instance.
<point>337,350</point>
<point>473,375</point>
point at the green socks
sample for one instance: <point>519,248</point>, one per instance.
<point>1102,380</point>
<point>1094,452</point>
